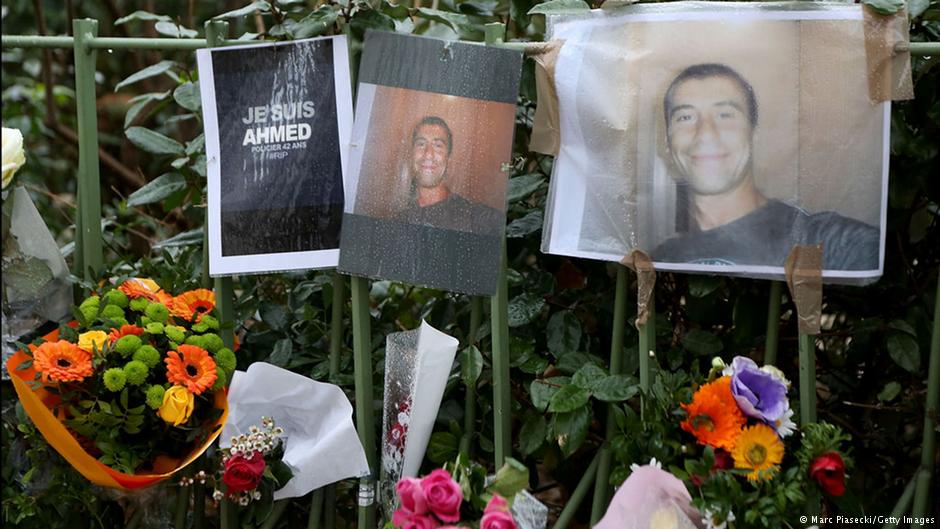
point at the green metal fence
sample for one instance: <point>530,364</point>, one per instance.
<point>89,262</point>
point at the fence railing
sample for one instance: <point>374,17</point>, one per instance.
<point>89,261</point>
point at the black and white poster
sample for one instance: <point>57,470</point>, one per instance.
<point>426,194</point>
<point>277,124</point>
<point>716,136</point>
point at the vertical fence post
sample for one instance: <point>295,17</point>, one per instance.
<point>365,420</point>
<point>601,483</point>
<point>88,219</point>
<point>928,447</point>
<point>499,314</point>
<point>807,379</point>
<point>773,323</point>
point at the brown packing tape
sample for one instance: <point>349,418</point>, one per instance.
<point>887,39</point>
<point>641,263</point>
<point>546,134</point>
<point>804,277</point>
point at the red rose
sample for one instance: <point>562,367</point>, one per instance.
<point>829,471</point>
<point>243,473</point>
<point>443,495</point>
<point>397,434</point>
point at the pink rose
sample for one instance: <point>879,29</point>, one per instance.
<point>412,496</point>
<point>418,521</point>
<point>443,495</point>
<point>497,503</point>
<point>497,520</point>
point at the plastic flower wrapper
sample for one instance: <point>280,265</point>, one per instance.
<point>128,393</point>
<point>321,445</point>
<point>417,365</point>
<point>651,498</point>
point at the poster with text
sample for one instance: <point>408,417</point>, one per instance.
<point>429,161</point>
<point>277,121</point>
<point>715,137</point>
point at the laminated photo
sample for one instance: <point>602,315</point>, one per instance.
<point>426,195</point>
<point>716,137</point>
<point>277,122</point>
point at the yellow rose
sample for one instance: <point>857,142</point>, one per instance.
<point>177,405</point>
<point>88,341</point>
<point>13,156</point>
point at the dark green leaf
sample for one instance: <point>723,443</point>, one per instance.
<point>275,315</point>
<point>532,434</point>
<point>917,7</point>
<point>442,447</point>
<point>559,7</point>
<point>890,391</point>
<point>615,388</point>
<point>186,238</point>
<point>542,390</point>
<point>140,15</point>
<point>701,286</point>
<point>280,355</point>
<point>154,142</point>
<point>522,186</point>
<point>904,351</point>
<point>568,398</point>
<point>702,343</point>
<point>151,71</point>
<point>563,333</point>
<point>461,24</point>
<point>571,429</point>
<point>511,478</point>
<point>523,226</point>
<point>471,365</point>
<point>186,95</point>
<point>259,6</point>
<point>139,103</point>
<point>158,189</point>
<point>587,376</point>
<point>316,23</point>
<point>524,308</point>
<point>176,31</point>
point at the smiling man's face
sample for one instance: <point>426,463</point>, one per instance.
<point>709,134</point>
<point>429,155</point>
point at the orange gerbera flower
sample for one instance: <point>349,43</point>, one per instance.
<point>144,288</point>
<point>62,361</point>
<point>192,303</point>
<point>191,367</point>
<point>713,415</point>
<point>117,334</point>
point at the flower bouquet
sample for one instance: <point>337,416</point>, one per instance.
<point>746,468</point>
<point>459,495</point>
<point>134,389</point>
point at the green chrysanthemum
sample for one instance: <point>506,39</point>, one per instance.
<point>210,322</point>
<point>112,312</point>
<point>174,333</point>
<point>139,304</point>
<point>91,301</point>
<point>116,297</point>
<point>197,340</point>
<point>136,372</point>
<point>128,345</point>
<point>155,396</point>
<point>157,312</point>
<point>212,342</point>
<point>114,379</point>
<point>154,328</point>
<point>89,313</point>
<point>147,354</point>
<point>221,378</point>
<point>225,359</point>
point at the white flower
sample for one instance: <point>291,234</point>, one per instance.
<point>709,519</point>
<point>785,425</point>
<point>13,155</point>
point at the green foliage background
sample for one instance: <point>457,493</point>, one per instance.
<point>872,354</point>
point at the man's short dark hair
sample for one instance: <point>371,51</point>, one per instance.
<point>703,71</point>
<point>434,120</point>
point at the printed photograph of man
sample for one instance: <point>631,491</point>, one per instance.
<point>711,116</point>
<point>431,201</point>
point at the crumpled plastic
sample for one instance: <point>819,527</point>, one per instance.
<point>651,498</point>
<point>322,445</point>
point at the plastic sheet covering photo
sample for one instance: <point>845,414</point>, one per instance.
<point>417,366</point>
<point>277,121</point>
<point>717,136</point>
<point>322,445</point>
<point>426,195</point>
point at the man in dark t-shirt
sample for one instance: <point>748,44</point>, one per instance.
<point>434,203</point>
<point>711,114</point>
